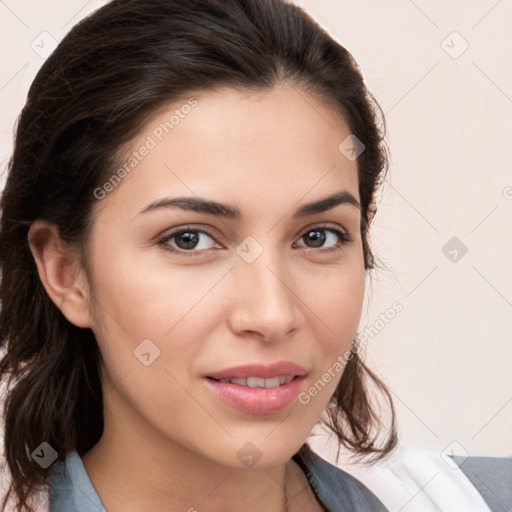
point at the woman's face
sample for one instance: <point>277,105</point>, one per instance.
<point>272,284</point>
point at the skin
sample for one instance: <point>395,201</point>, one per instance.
<point>169,443</point>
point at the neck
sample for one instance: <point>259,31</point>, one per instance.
<point>135,469</point>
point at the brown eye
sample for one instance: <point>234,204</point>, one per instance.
<point>319,236</point>
<point>186,240</point>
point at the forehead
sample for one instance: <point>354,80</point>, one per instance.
<point>280,144</point>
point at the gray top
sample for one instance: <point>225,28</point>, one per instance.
<point>336,490</point>
<point>492,477</point>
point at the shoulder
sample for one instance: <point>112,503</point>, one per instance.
<point>337,489</point>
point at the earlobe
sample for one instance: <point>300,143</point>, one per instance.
<point>60,272</point>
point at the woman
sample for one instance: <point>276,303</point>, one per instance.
<point>184,247</point>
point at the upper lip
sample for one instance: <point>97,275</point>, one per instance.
<point>263,371</point>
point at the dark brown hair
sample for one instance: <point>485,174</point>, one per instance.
<point>105,79</point>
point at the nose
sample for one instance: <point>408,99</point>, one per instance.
<point>264,302</point>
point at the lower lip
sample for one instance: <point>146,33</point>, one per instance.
<point>257,400</point>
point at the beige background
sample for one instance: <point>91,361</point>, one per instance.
<point>447,355</point>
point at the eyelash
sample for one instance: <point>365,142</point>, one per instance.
<point>343,237</point>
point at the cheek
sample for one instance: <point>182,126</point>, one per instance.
<point>148,298</point>
<point>136,302</point>
<point>336,300</point>
<point>336,305</point>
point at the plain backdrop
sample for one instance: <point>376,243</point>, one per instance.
<point>442,73</point>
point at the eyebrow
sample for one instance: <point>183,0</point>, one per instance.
<point>200,205</point>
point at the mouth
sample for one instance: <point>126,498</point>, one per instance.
<point>258,389</point>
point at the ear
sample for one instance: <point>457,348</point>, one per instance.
<point>60,272</point>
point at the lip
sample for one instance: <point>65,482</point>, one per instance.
<point>257,400</point>
<point>260,370</point>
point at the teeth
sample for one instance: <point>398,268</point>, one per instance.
<point>272,383</point>
<point>255,382</point>
<point>258,382</point>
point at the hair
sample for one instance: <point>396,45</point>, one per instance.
<point>108,76</point>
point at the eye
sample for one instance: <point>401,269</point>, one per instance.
<point>320,235</point>
<point>186,241</point>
